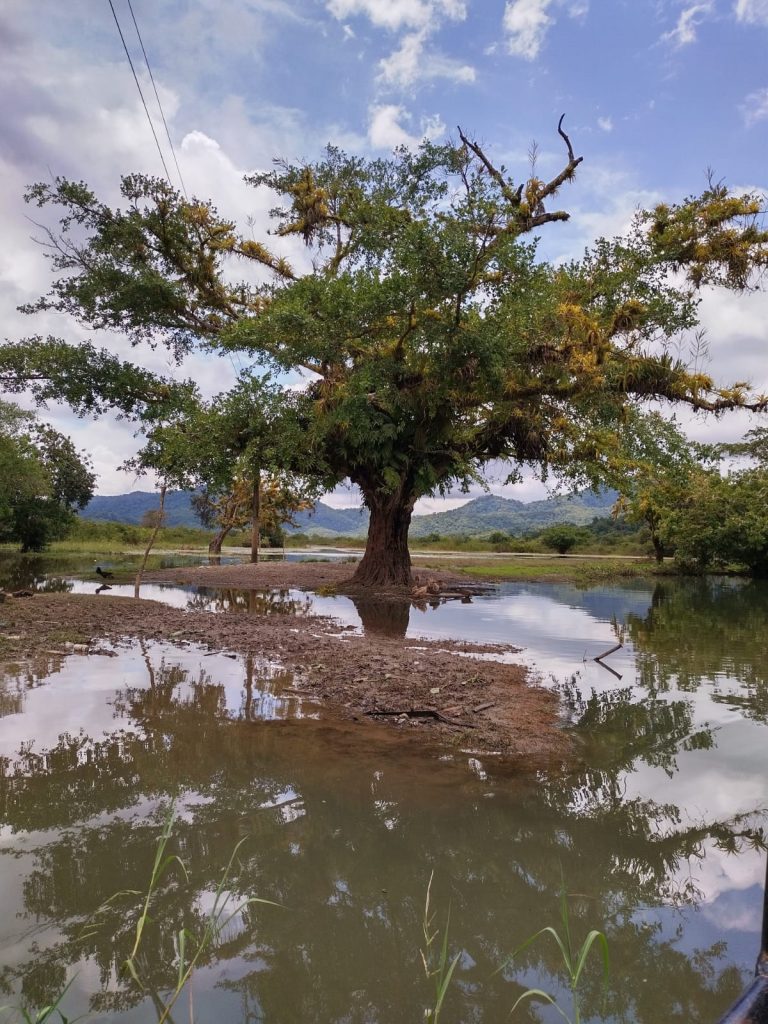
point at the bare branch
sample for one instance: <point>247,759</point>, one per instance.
<point>511,196</point>
<point>567,172</point>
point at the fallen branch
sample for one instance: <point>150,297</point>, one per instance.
<point>421,713</point>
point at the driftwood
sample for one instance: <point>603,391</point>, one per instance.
<point>611,650</point>
<point>484,707</point>
<point>421,713</point>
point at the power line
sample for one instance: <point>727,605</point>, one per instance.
<point>157,97</point>
<point>141,94</point>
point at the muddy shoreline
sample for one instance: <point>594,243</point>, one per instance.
<point>330,576</point>
<point>421,687</point>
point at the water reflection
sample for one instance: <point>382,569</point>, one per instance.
<point>344,827</point>
<point>705,629</point>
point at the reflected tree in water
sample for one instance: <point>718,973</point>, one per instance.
<point>345,838</point>
<point>706,630</point>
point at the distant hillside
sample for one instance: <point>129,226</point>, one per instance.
<point>482,515</point>
<point>129,508</point>
<point>489,513</point>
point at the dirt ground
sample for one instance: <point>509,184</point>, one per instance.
<point>302,575</point>
<point>420,687</point>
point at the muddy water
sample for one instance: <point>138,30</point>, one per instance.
<point>656,835</point>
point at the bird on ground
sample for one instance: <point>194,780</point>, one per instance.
<point>104,575</point>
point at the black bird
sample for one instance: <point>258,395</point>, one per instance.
<point>104,575</point>
<point>104,586</point>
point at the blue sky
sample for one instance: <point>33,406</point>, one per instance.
<point>654,92</point>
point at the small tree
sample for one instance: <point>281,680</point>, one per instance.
<point>655,473</point>
<point>561,537</point>
<point>43,480</point>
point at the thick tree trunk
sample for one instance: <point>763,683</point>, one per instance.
<point>658,548</point>
<point>387,561</point>
<point>256,516</point>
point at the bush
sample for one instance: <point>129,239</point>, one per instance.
<point>561,538</point>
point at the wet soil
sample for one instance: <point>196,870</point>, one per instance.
<point>300,575</point>
<point>421,687</point>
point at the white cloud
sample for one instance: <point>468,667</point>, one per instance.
<point>411,62</point>
<point>753,12</point>
<point>526,23</point>
<point>386,131</point>
<point>755,107</point>
<point>605,124</point>
<point>397,14</point>
<point>684,32</point>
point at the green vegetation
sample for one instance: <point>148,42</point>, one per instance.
<point>43,479</point>
<point>436,340</point>
<point>574,962</point>
<point>709,521</point>
<point>560,538</point>
<point>554,568</point>
<point>438,969</point>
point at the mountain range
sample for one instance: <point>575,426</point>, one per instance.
<point>478,516</point>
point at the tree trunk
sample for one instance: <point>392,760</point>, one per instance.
<point>256,516</point>
<point>387,561</point>
<point>658,548</point>
<point>152,538</point>
<point>214,548</point>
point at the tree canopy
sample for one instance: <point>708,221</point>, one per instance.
<point>433,338</point>
<point>42,480</point>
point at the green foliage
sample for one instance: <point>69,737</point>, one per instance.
<point>660,465</point>
<point>90,380</point>
<point>93,534</point>
<point>43,480</point>
<point>561,538</point>
<point>722,521</point>
<point>436,340</point>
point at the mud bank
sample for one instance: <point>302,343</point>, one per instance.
<point>300,575</point>
<point>420,687</point>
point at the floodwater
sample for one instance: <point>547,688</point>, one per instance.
<point>657,834</point>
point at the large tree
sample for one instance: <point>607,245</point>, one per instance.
<point>434,339</point>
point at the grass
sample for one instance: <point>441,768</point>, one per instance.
<point>438,969</point>
<point>558,570</point>
<point>574,961</point>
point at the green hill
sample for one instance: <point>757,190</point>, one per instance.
<point>480,516</point>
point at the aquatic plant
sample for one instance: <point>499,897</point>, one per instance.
<point>434,957</point>
<point>574,960</point>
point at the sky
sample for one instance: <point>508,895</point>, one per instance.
<point>655,93</point>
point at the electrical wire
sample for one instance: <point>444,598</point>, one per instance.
<point>157,97</point>
<point>141,94</point>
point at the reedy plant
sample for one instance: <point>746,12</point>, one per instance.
<point>437,968</point>
<point>189,947</point>
<point>574,961</point>
<point>47,1014</point>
